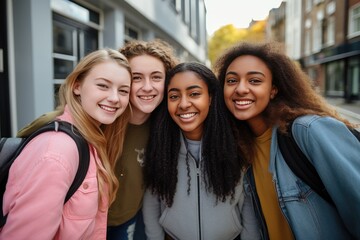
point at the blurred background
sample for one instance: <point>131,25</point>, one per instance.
<point>42,40</point>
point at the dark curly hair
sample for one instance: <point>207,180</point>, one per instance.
<point>296,95</point>
<point>221,162</point>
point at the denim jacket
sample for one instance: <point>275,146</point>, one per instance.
<point>335,154</point>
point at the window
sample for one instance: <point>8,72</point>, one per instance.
<point>354,21</point>
<point>194,20</point>
<point>334,79</point>
<point>354,77</point>
<point>308,5</point>
<point>307,42</point>
<point>131,33</point>
<point>330,31</point>
<point>185,13</point>
<point>176,5</point>
<point>72,40</point>
<point>317,37</point>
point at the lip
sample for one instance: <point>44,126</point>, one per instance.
<point>243,103</point>
<point>147,97</point>
<point>187,117</point>
<point>108,108</point>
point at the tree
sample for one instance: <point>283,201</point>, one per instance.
<point>222,39</point>
<point>228,35</point>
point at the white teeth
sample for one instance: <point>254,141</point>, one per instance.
<point>243,102</point>
<point>147,97</point>
<point>110,109</point>
<point>188,115</point>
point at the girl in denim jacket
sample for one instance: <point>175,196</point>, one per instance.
<point>265,91</point>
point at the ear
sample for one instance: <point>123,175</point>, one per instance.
<point>274,91</point>
<point>77,88</point>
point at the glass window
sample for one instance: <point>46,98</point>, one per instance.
<point>62,68</point>
<point>334,79</point>
<point>354,77</point>
<point>63,38</point>
<point>354,20</point>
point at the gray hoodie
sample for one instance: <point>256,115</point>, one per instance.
<point>197,215</point>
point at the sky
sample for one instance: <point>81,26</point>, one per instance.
<point>236,12</point>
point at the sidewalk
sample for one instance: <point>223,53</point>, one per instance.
<point>351,110</point>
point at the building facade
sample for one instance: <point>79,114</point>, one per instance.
<point>42,40</point>
<point>324,37</point>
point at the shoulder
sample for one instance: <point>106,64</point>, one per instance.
<point>316,123</point>
<point>52,147</point>
<point>320,130</point>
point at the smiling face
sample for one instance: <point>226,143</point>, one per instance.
<point>147,90</point>
<point>248,89</point>
<point>188,103</point>
<point>104,92</point>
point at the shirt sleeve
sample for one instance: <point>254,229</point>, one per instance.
<point>152,212</point>
<point>335,153</point>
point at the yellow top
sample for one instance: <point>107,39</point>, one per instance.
<point>278,227</point>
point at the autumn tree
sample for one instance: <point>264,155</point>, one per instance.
<point>228,35</point>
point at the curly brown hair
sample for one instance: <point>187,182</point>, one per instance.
<point>156,48</point>
<point>296,95</point>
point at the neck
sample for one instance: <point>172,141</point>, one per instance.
<point>258,126</point>
<point>138,117</point>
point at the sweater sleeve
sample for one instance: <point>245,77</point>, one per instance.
<point>152,212</point>
<point>335,153</point>
<point>38,182</point>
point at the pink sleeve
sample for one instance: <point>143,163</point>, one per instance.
<point>36,189</point>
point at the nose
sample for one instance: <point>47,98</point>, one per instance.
<point>113,95</point>
<point>147,85</point>
<point>242,88</point>
<point>184,103</point>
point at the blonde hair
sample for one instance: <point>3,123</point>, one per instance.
<point>103,138</point>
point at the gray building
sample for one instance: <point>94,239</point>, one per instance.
<point>42,40</point>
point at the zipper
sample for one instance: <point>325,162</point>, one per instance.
<point>198,190</point>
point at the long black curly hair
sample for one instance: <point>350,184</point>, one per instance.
<point>221,163</point>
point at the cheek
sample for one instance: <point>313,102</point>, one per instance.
<point>227,94</point>
<point>160,88</point>
<point>171,107</point>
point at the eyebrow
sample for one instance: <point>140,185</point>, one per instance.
<point>111,82</point>
<point>154,72</point>
<point>188,88</point>
<point>248,73</point>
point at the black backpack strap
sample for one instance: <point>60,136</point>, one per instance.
<point>83,149</point>
<point>300,165</point>
<point>84,155</point>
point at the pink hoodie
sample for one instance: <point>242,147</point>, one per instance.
<point>38,182</point>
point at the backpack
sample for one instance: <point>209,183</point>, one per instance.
<point>300,165</point>
<point>10,148</point>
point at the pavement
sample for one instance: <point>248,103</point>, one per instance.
<point>348,110</point>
